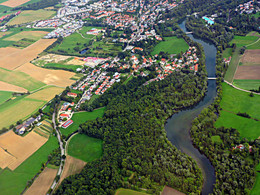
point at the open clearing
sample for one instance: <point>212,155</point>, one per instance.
<point>172,45</point>
<point>20,79</point>
<point>35,35</point>
<point>85,148</point>
<point>14,3</point>
<point>251,57</point>
<point>256,188</point>
<point>122,191</point>
<point>43,183</point>
<point>19,148</point>
<point>25,55</point>
<point>170,191</point>
<point>31,15</point>
<point>4,95</point>
<point>27,170</point>
<point>9,87</point>
<point>247,84</point>
<point>248,72</point>
<point>82,117</point>
<point>72,166</point>
<point>59,78</point>
<point>235,101</point>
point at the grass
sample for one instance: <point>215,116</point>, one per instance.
<point>216,139</point>
<point>20,79</point>
<point>5,95</point>
<point>23,43</point>
<point>85,148</point>
<point>241,41</point>
<point>232,66</point>
<point>93,98</point>
<point>32,35</point>
<point>81,117</point>
<point>256,188</point>
<point>127,80</point>
<point>172,45</point>
<point>254,46</point>
<point>247,84</point>
<point>27,170</point>
<point>247,128</point>
<point>62,66</point>
<point>77,76</point>
<point>31,15</point>
<point>227,53</point>
<point>122,191</point>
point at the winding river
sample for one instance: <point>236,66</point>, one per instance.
<point>178,126</point>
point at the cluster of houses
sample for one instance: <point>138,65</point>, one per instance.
<point>26,125</point>
<point>242,147</point>
<point>227,61</point>
<point>247,8</point>
<point>120,21</point>
<point>9,16</point>
<point>65,113</point>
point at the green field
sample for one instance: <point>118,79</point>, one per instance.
<point>241,41</point>
<point>72,68</point>
<point>216,139</point>
<point>227,53</point>
<point>234,101</point>
<point>256,188</point>
<point>81,117</point>
<point>14,182</point>
<point>172,45</point>
<point>5,95</point>
<point>247,84</point>
<point>122,191</point>
<point>20,79</point>
<point>85,148</point>
<point>232,66</point>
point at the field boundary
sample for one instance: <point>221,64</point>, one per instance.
<point>253,43</point>
<point>240,88</point>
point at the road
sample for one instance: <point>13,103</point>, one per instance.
<point>240,88</point>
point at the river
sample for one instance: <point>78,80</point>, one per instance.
<point>178,126</point>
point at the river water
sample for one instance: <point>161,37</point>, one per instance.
<point>178,126</point>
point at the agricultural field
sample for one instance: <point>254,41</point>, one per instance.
<point>251,57</point>
<point>57,66</point>
<point>235,101</point>
<point>72,166</point>
<point>46,94</point>
<point>20,79</point>
<point>247,84</point>
<point>85,148</point>
<point>32,15</point>
<point>16,59</point>
<point>34,35</point>
<point>27,170</point>
<point>248,72</point>
<point>3,34</point>
<point>172,45</point>
<point>170,191</point>
<point>241,41</point>
<point>81,117</point>
<point>232,66</point>
<point>42,183</point>
<point>45,129</point>
<point>4,95</point>
<point>122,191</point>
<point>9,87</point>
<point>14,3</point>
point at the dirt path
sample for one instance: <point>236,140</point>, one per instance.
<point>253,43</point>
<point>240,88</point>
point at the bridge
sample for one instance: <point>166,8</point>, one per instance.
<point>212,78</point>
<point>187,33</point>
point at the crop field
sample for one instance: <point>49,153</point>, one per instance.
<point>35,35</point>
<point>4,95</point>
<point>59,78</point>
<point>9,87</point>
<point>19,148</point>
<point>14,3</point>
<point>45,129</point>
<point>232,66</point>
<point>6,51</point>
<point>172,45</point>
<point>122,191</point>
<point>241,41</point>
<point>251,57</point>
<point>81,117</point>
<point>72,166</point>
<point>235,101</point>
<point>62,66</point>
<point>247,84</point>
<point>27,170</point>
<point>31,15</point>
<point>46,94</point>
<point>170,191</point>
<point>85,148</point>
<point>3,34</point>
<point>42,183</point>
<point>20,79</point>
<point>248,72</point>
<point>25,55</point>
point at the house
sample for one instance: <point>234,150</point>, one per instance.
<point>74,95</point>
<point>67,124</point>
<point>62,116</point>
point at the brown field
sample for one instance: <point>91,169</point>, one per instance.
<point>42,184</point>
<point>6,51</point>
<point>6,158</point>
<point>4,33</point>
<point>59,78</point>
<point>72,166</point>
<point>76,61</point>
<point>35,35</point>
<point>20,147</point>
<point>46,94</point>
<point>14,3</point>
<point>9,87</point>
<point>170,191</point>
<point>251,57</point>
<point>248,72</point>
<point>50,58</point>
<point>27,54</point>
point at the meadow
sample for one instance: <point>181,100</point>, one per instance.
<point>72,68</point>
<point>5,95</point>
<point>216,139</point>
<point>31,15</point>
<point>172,45</point>
<point>81,117</point>
<point>241,41</point>
<point>232,66</point>
<point>85,148</point>
<point>247,84</point>
<point>256,188</point>
<point>27,170</point>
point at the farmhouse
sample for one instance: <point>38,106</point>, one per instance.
<point>74,95</point>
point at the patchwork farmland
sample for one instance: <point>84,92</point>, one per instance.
<point>14,3</point>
